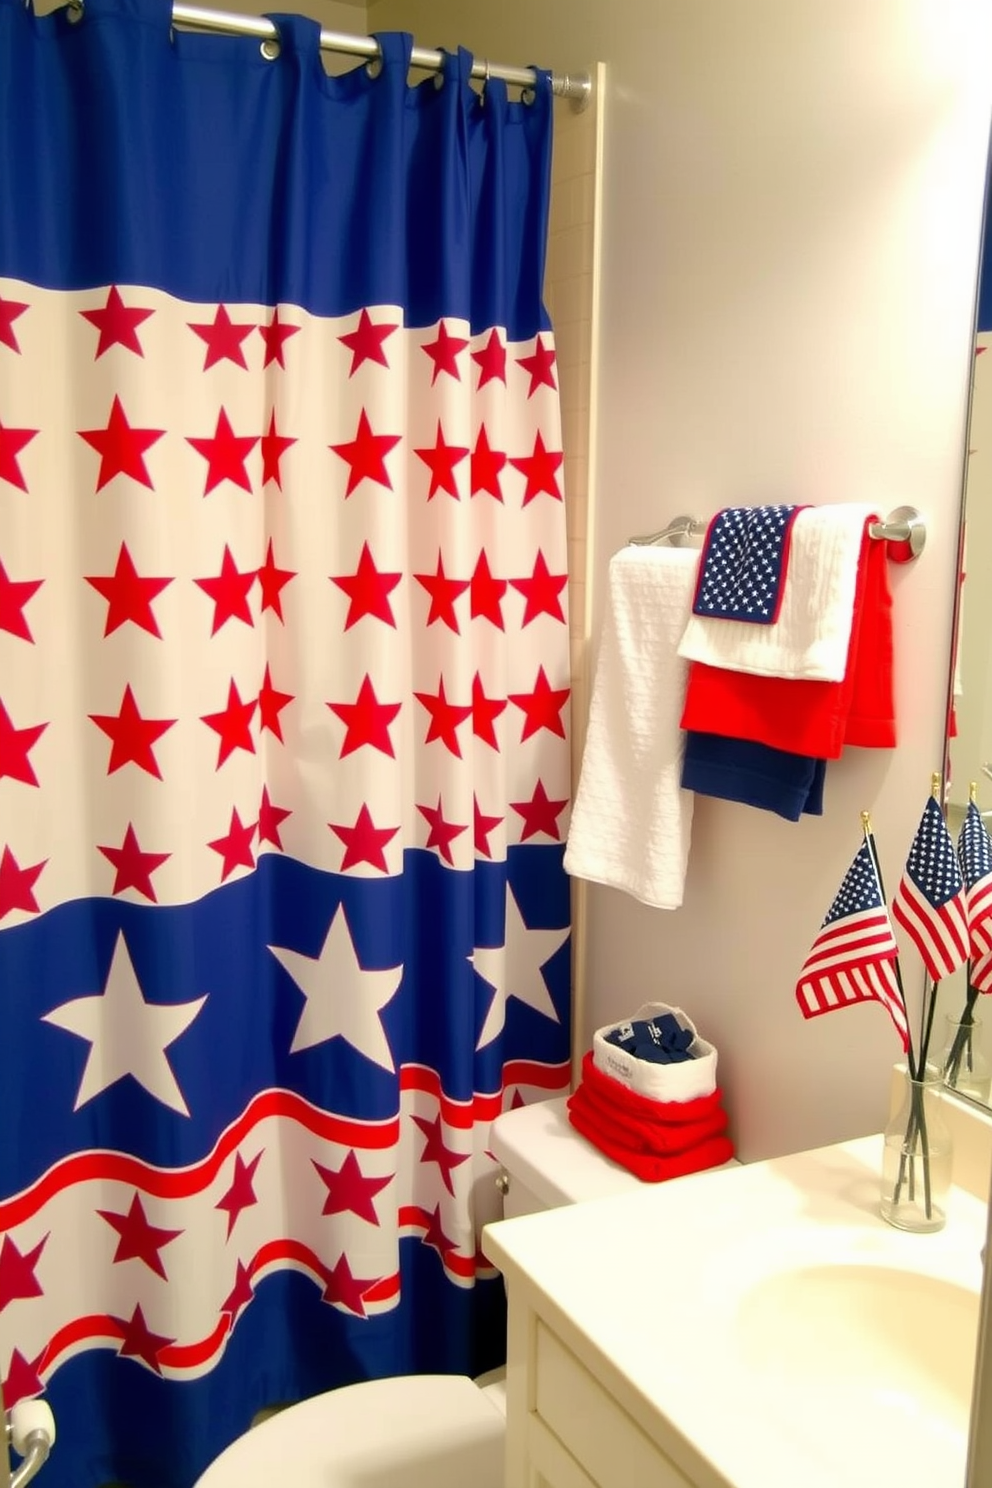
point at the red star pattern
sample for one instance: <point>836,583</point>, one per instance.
<point>436,1152</point>
<point>129,597</point>
<point>487,593</point>
<point>483,825</point>
<point>539,365</point>
<point>349,1191</point>
<point>441,459</point>
<point>365,455</point>
<point>17,1278</point>
<point>17,884</point>
<point>223,339</point>
<point>444,353</point>
<point>540,470</point>
<point>133,868</point>
<point>270,704</point>
<point>275,335</point>
<point>240,1294</point>
<point>270,819</point>
<point>272,581</point>
<point>366,721</point>
<point>435,1237</point>
<point>23,1379</point>
<point>344,1290</point>
<point>15,746</point>
<point>485,711</point>
<point>274,445</point>
<point>541,592</point>
<point>368,590</point>
<point>365,342</point>
<point>117,323</point>
<point>491,360</point>
<point>235,848</point>
<point>442,833</point>
<point>121,448</point>
<point>241,1194</point>
<point>232,724</point>
<point>542,707</point>
<point>137,1239</point>
<point>445,718</point>
<point>12,441</point>
<point>225,453</point>
<point>229,592</point>
<point>132,738</point>
<point>443,592</point>
<point>485,466</point>
<point>10,310</point>
<point>540,814</point>
<point>364,842</point>
<point>139,1342</point>
<point>14,595</point>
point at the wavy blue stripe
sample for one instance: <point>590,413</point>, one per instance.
<point>217,947</point>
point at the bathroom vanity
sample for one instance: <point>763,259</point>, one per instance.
<point>749,1327</point>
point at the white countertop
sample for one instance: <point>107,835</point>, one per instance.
<point>659,1293</point>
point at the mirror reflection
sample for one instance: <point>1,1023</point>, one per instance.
<point>965,1034</point>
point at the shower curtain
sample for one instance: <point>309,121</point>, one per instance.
<point>283,719</point>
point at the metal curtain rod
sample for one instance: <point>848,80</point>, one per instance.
<point>562,84</point>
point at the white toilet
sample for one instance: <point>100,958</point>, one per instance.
<point>424,1431</point>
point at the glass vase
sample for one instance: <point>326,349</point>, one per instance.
<point>963,1064</point>
<point>916,1159</point>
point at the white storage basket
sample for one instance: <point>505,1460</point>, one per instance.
<point>684,1081</point>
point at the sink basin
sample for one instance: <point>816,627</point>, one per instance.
<point>877,1352</point>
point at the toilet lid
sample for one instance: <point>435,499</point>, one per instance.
<point>417,1431</point>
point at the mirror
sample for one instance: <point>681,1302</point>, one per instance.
<point>968,746</point>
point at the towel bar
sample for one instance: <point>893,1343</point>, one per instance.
<point>904,526</point>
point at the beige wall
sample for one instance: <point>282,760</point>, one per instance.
<point>791,206</point>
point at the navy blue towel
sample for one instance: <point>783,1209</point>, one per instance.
<point>791,785</point>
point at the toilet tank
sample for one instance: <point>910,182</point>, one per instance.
<point>546,1163</point>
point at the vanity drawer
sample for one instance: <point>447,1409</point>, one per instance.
<point>596,1431</point>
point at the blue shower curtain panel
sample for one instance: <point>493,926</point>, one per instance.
<point>284,699</point>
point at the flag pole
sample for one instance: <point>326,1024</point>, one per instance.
<point>870,841</point>
<point>910,1059</point>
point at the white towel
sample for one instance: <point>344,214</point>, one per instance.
<point>632,820</point>
<point>813,630</point>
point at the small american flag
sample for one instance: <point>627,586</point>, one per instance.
<point>930,902</point>
<point>975,857</point>
<point>980,973</point>
<point>743,564</point>
<point>853,959</point>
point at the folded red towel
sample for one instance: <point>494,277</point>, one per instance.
<point>815,719</point>
<point>647,1166</point>
<point>635,1104</point>
<point>644,1134</point>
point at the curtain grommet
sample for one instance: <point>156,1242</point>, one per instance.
<point>528,96</point>
<point>270,48</point>
<point>373,66</point>
<point>74,12</point>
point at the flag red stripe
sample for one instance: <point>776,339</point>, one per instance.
<point>940,935</point>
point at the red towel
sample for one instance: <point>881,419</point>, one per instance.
<point>658,1137</point>
<point>644,1106</point>
<point>646,1166</point>
<point>815,719</point>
